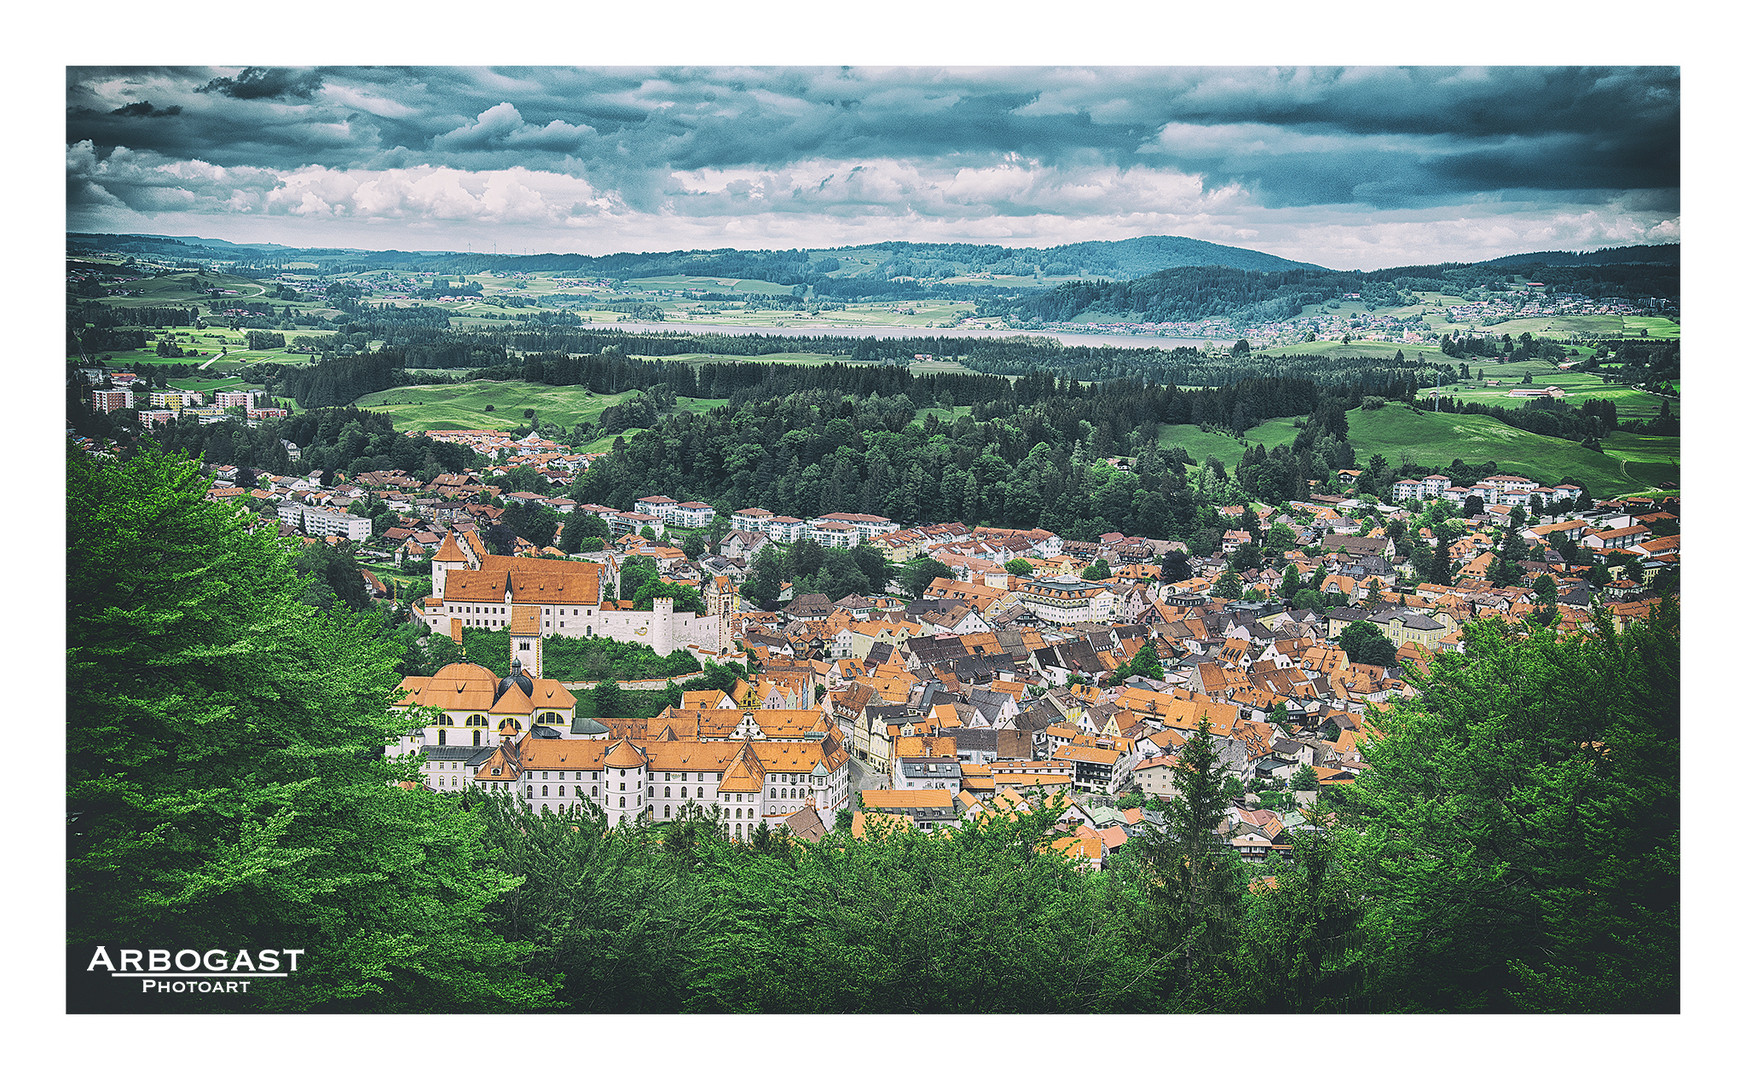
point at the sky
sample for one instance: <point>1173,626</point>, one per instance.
<point>1348,167</point>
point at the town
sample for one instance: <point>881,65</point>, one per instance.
<point>1024,671</point>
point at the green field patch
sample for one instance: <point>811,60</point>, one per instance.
<point>687,283</point>
<point>462,406</point>
<point>1201,445</point>
<point>1650,326</point>
<point>1396,431</point>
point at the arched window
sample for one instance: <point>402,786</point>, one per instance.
<point>682,794</point>
<point>442,737</point>
<point>621,802</point>
<point>542,791</point>
<point>560,791</point>
<point>530,791</point>
<point>596,791</point>
<point>476,736</point>
<point>666,793</point>
<point>666,811</point>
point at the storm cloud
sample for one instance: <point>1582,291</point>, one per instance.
<point>1330,165</point>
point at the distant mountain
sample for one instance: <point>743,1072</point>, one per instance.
<point>1148,254</point>
<point>1116,259</point>
<point>1652,254</point>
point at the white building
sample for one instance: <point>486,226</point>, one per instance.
<point>1067,601</point>
<point>539,598</point>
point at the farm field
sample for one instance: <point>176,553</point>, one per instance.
<point>462,406</point>
<point>1379,349</point>
<point>1430,438</point>
<point>1631,463</point>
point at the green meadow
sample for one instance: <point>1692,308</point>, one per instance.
<point>462,406</point>
<point>1631,463</point>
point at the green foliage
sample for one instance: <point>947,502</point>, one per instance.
<point>1097,571</point>
<point>223,761</point>
<point>1229,585</point>
<point>1019,567</point>
<point>1517,830</point>
<point>582,659</point>
<point>1365,643</point>
<point>918,575</point>
<point>1190,882</point>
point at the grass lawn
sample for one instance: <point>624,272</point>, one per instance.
<point>1631,463</point>
<point>1433,439</point>
<point>1204,444</point>
<point>461,406</point>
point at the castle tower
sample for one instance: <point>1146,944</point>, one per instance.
<point>525,640</point>
<point>449,556</point>
<point>661,628</point>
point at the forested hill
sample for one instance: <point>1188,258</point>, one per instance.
<point>1252,296</point>
<point>1098,259</point>
<point>1661,254</point>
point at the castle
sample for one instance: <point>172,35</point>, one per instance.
<point>536,598</point>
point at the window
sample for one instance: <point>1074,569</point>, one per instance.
<point>596,791</point>
<point>621,802</point>
<point>666,811</point>
<point>560,791</point>
<point>666,793</point>
<point>682,794</point>
<point>542,791</point>
<point>530,792</point>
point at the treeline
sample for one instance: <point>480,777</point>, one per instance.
<point>1188,294</point>
<point>344,440</point>
<point>1012,464</point>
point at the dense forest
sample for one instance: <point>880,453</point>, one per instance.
<point>1017,465</point>
<point>1513,846</point>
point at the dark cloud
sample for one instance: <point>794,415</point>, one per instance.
<point>145,109</point>
<point>256,83</point>
<point>970,144</point>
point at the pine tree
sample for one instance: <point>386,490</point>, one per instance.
<point>224,766</point>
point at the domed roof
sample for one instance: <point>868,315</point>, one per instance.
<point>587,726</point>
<point>623,755</point>
<point>516,677</point>
<point>463,670</point>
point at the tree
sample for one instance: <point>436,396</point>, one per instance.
<point>1229,585</point>
<point>1290,582</point>
<point>1018,567</point>
<point>764,580</point>
<point>224,768</point>
<point>534,522</point>
<point>1304,779</point>
<point>918,575</point>
<point>608,699</point>
<point>1518,825</point>
<point>1365,643</point>
<point>1097,571</point>
<point>634,573</point>
<point>1175,567</point>
<point>1191,878</point>
<point>694,546</point>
